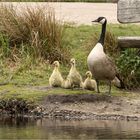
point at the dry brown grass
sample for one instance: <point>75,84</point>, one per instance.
<point>110,46</point>
<point>34,31</point>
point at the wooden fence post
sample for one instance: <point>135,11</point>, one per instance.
<point>128,11</point>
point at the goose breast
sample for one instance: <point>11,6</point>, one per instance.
<point>100,64</point>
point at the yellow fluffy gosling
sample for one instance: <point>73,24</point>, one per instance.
<point>67,83</point>
<point>56,79</point>
<point>74,78</point>
<point>89,83</point>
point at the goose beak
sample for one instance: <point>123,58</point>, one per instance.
<point>95,20</point>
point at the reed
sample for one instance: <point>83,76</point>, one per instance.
<point>34,32</point>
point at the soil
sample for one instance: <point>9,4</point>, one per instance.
<point>92,106</point>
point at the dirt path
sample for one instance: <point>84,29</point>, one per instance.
<point>80,13</point>
<point>84,13</point>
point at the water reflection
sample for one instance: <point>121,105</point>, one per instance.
<point>23,128</point>
<point>16,122</point>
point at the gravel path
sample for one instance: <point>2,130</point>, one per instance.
<point>80,13</point>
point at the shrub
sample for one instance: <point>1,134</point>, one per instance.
<point>129,67</point>
<point>34,32</point>
<point>110,46</point>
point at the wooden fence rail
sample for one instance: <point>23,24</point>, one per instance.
<point>129,42</point>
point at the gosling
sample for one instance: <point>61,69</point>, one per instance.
<point>56,79</point>
<point>67,83</point>
<point>89,83</point>
<point>74,79</point>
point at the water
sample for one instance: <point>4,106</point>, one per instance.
<point>50,129</point>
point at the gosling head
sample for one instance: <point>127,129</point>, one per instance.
<point>100,20</point>
<point>72,61</point>
<point>88,74</point>
<point>48,61</point>
<point>56,64</point>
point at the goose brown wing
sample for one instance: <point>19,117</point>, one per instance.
<point>111,64</point>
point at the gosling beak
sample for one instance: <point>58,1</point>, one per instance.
<point>53,64</point>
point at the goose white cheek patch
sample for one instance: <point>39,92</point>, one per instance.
<point>102,21</point>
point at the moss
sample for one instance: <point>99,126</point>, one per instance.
<point>37,93</point>
<point>27,93</point>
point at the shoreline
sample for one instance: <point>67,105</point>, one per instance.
<point>85,107</point>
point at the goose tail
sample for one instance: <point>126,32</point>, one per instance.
<point>118,82</point>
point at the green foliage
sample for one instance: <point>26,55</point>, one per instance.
<point>129,67</point>
<point>4,45</point>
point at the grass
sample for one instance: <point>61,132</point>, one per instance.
<point>81,36</point>
<point>36,94</point>
<point>28,41</point>
<point>34,34</point>
<point>38,74</point>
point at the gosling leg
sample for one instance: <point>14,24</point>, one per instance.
<point>97,81</point>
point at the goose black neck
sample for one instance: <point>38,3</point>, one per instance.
<point>102,36</point>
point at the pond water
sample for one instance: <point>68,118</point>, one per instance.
<point>54,129</point>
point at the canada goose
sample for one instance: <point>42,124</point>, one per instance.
<point>89,83</point>
<point>98,62</point>
<point>117,82</point>
<point>56,79</point>
<point>74,77</point>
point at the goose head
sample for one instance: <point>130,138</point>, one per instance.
<point>100,20</point>
<point>56,64</point>
<point>88,74</point>
<point>72,61</point>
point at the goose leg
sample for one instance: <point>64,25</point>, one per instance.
<point>97,81</point>
<point>72,87</point>
<point>109,87</point>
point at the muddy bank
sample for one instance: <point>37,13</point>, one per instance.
<point>89,106</point>
<point>77,106</point>
<point>16,107</point>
